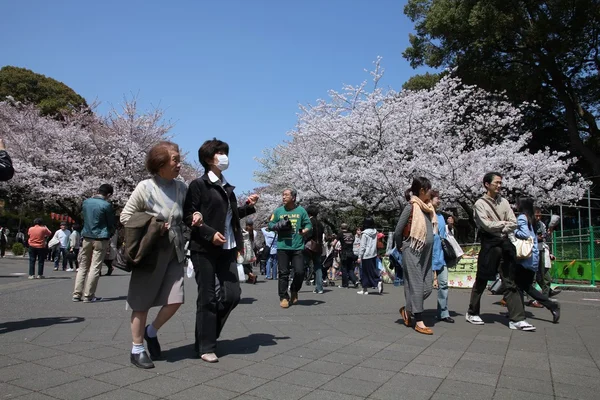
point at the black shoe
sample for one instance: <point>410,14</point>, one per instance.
<point>142,360</point>
<point>555,315</point>
<point>110,271</point>
<point>153,345</point>
<point>554,292</point>
<point>449,320</point>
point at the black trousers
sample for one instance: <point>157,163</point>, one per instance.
<point>495,250</point>
<point>348,272</point>
<point>212,308</point>
<point>289,260</point>
<point>524,281</point>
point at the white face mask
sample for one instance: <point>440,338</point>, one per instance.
<point>222,162</point>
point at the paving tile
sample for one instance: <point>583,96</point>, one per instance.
<point>7,361</point>
<point>123,394</point>
<point>197,373</point>
<point>526,385</point>
<point>93,368</point>
<point>265,371</point>
<point>401,380</point>
<point>343,358</point>
<point>203,392</point>
<point>229,363</point>
<point>161,386</point>
<point>305,352</point>
<point>368,374</point>
<point>473,377</point>
<point>389,392</point>
<point>351,386</point>
<point>466,390</point>
<point>15,348</point>
<point>468,356</point>
<point>327,395</point>
<point>396,355</point>
<point>277,391</point>
<point>585,370</point>
<point>47,380</point>
<point>575,392</point>
<point>76,347</point>
<point>326,367</point>
<point>513,394</point>
<point>63,361</point>
<point>424,359</point>
<point>386,365</point>
<point>23,370</point>
<point>575,379</point>
<point>102,352</point>
<point>525,372</point>
<point>288,361</point>
<point>435,371</point>
<point>79,390</point>
<point>306,378</point>
<point>444,396</point>
<point>236,382</point>
<point>8,391</point>
<point>35,396</point>
<point>126,376</point>
<point>38,354</point>
<point>478,366</point>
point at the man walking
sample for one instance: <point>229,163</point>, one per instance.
<point>496,221</point>
<point>62,247</point>
<point>98,227</point>
<point>291,222</point>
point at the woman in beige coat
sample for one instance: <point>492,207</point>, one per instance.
<point>161,196</point>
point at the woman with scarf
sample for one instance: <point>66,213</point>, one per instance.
<point>414,236</point>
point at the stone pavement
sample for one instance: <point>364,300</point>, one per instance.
<point>338,345</point>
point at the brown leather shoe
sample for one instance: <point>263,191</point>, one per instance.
<point>424,331</point>
<point>294,297</point>
<point>284,303</point>
<point>503,303</point>
<point>405,316</point>
<point>535,304</point>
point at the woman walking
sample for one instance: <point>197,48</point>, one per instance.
<point>162,197</point>
<point>214,244</point>
<point>527,267</point>
<point>367,257</point>
<point>414,238</point>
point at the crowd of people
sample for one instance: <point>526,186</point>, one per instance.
<point>164,220</point>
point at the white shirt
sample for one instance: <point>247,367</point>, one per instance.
<point>63,237</point>
<point>229,235</point>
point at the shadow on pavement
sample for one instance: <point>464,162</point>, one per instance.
<point>247,300</point>
<point>6,327</point>
<point>309,302</point>
<point>246,345</point>
<point>105,299</point>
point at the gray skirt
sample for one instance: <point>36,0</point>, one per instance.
<point>418,277</point>
<point>160,287</point>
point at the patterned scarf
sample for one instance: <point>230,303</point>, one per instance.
<point>418,229</point>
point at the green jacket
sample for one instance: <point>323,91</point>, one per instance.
<point>299,218</point>
<point>98,218</point>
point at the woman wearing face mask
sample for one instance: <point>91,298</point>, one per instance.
<point>214,244</point>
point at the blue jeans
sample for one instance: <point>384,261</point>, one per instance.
<point>39,255</point>
<point>62,252</point>
<point>317,268</point>
<point>272,266</point>
<point>442,278</point>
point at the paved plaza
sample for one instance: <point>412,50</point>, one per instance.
<point>337,345</point>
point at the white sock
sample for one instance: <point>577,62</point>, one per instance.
<point>138,348</point>
<point>151,331</point>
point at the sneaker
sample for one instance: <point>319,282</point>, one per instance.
<point>356,285</point>
<point>521,326</point>
<point>40,277</point>
<point>31,277</point>
<point>362,292</point>
<point>343,287</point>
<point>317,291</point>
<point>70,270</point>
<point>76,299</point>
<point>474,319</point>
<point>284,303</point>
<point>56,269</point>
<point>93,299</point>
<point>380,287</point>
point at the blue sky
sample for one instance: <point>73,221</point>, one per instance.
<point>235,70</point>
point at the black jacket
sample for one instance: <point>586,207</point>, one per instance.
<point>212,201</point>
<point>6,167</point>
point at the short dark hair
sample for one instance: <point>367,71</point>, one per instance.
<point>369,223</point>
<point>293,192</point>
<point>158,156</point>
<point>312,210</point>
<point>418,183</point>
<point>489,177</point>
<point>207,151</point>
<point>434,193</point>
<point>38,221</point>
<point>105,189</point>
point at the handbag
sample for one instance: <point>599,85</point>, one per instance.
<point>449,253</point>
<point>524,248</point>
<point>312,246</point>
<point>498,287</point>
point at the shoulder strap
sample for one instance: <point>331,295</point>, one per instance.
<point>493,207</point>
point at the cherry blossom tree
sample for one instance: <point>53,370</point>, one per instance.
<point>362,147</point>
<point>60,163</point>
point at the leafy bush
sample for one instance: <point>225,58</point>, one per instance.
<point>18,249</point>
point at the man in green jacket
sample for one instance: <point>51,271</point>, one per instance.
<point>291,222</point>
<point>98,227</point>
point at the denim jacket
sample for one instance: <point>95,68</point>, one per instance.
<point>524,231</point>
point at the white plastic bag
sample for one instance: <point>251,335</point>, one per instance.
<point>241,275</point>
<point>190,268</point>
